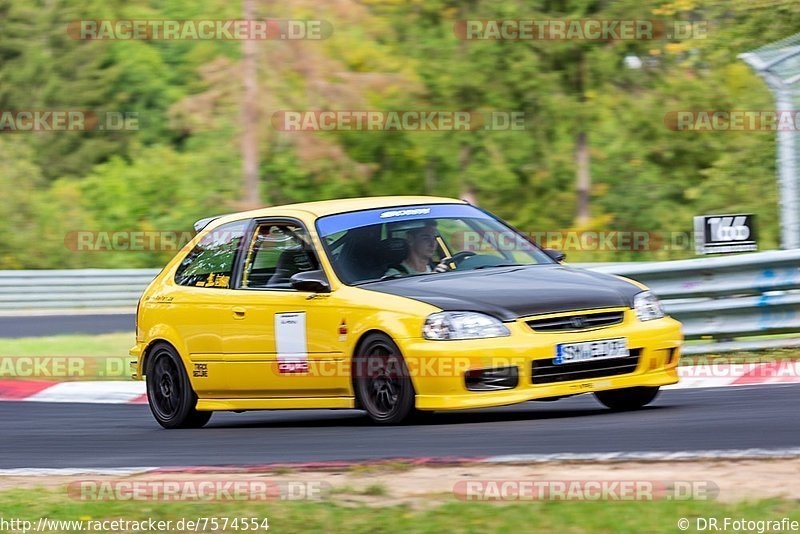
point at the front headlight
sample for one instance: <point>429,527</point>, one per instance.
<point>647,306</point>
<point>442,326</point>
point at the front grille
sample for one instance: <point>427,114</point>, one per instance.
<point>545,372</point>
<point>578,321</point>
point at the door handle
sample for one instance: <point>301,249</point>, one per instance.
<point>238,313</point>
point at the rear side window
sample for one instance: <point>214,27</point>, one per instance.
<point>210,263</point>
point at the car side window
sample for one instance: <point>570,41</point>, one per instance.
<point>276,253</point>
<point>210,263</point>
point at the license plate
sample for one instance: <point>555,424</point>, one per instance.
<point>591,350</point>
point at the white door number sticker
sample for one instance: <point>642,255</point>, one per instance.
<point>290,341</point>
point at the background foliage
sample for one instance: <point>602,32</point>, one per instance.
<point>184,164</point>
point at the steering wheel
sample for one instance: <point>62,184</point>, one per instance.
<point>458,257</point>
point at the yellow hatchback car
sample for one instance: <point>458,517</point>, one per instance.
<point>398,306</point>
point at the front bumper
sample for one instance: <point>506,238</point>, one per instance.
<point>437,368</point>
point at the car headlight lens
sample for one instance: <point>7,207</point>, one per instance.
<point>647,306</point>
<point>462,325</point>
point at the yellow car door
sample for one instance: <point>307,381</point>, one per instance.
<point>280,341</point>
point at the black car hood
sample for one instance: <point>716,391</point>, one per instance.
<point>512,292</point>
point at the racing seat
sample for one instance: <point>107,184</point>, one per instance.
<point>393,251</point>
<point>360,258</point>
<point>290,262</point>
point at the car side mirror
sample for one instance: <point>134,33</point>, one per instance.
<point>314,281</point>
<point>556,255</point>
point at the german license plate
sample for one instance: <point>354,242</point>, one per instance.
<point>601,349</point>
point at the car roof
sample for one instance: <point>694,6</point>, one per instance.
<point>329,207</point>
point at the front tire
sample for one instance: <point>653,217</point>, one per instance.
<point>627,399</point>
<point>381,381</point>
<point>169,392</point>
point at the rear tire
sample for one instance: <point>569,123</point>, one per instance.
<point>621,400</point>
<point>381,381</point>
<point>169,392</point>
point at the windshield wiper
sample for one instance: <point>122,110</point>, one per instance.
<point>387,277</point>
<point>391,276</point>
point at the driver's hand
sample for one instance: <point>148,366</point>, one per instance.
<point>444,265</point>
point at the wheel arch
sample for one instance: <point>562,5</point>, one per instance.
<point>364,335</point>
<point>163,333</point>
<point>148,350</point>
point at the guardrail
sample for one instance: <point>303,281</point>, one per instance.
<point>73,288</point>
<point>726,303</point>
<point>721,300</point>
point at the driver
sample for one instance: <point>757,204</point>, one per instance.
<point>421,248</point>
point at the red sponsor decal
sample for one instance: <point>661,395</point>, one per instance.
<point>292,367</point>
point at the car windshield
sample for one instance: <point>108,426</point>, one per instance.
<point>397,242</point>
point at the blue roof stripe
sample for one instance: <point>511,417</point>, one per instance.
<point>331,224</point>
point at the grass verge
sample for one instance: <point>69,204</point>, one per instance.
<point>98,345</point>
<point>445,516</point>
<point>67,357</point>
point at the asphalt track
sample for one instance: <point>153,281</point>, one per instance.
<point>40,435</point>
<point>49,325</point>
